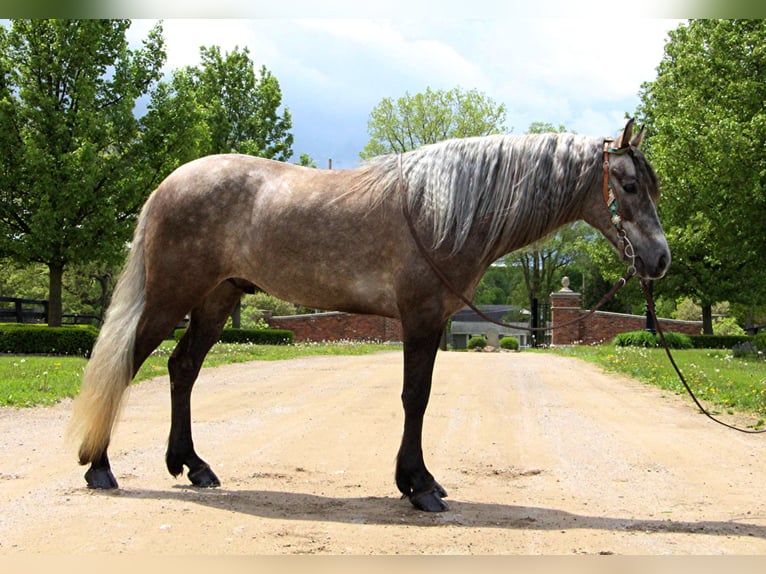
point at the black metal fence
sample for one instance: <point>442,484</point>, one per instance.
<point>17,310</point>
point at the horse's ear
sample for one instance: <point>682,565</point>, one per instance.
<point>623,140</point>
<point>636,140</point>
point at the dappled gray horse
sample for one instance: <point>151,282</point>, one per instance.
<point>223,224</point>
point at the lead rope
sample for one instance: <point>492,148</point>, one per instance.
<point>446,282</point>
<point>617,286</point>
<point>650,307</point>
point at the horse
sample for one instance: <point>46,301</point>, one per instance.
<point>223,225</point>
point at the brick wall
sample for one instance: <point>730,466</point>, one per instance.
<point>317,327</point>
<point>603,326</point>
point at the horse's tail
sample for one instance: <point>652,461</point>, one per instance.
<point>110,368</point>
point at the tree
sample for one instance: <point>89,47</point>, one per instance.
<point>430,117</point>
<point>706,126</point>
<point>241,111</point>
<point>306,160</point>
<point>541,261</point>
<point>67,137</point>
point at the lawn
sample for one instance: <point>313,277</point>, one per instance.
<point>720,380</point>
<point>726,383</point>
<point>27,381</point>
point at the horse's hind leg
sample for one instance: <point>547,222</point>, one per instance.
<point>157,320</point>
<point>207,321</point>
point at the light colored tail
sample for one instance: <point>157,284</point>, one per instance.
<point>110,368</point>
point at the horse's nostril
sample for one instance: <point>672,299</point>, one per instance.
<point>663,262</point>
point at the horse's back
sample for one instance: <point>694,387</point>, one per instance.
<point>299,233</point>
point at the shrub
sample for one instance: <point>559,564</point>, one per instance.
<point>676,341</point>
<point>760,341</point>
<point>718,341</point>
<point>651,340</point>
<point>252,336</point>
<point>727,326</point>
<point>476,342</point>
<point>747,350</point>
<point>511,343</point>
<point>636,339</point>
<point>24,339</point>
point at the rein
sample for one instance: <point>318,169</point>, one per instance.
<point>624,245</point>
<point>650,307</point>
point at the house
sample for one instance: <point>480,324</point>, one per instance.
<point>466,324</point>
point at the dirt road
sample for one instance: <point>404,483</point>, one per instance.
<point>540,455</point>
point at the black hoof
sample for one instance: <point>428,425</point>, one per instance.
<point>430,501</point>
<point>204,477</point>
<point>101,478</point>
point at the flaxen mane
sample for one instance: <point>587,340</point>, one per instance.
<point>518,184</point>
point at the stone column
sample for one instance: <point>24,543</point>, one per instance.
<point>565,306</point>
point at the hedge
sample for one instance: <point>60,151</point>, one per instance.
<point>26,339</point>
<point>253,336</point>
<point>651,340</point>
<point>718,341</point>
<point>681,341</point>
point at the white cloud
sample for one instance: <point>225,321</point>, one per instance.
<point>583,73</point>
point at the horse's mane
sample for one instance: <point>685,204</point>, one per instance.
<point>525,185</point>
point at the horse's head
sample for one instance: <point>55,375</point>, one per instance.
<point>627,213</point>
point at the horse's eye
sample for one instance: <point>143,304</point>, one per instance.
<point>630,187</point>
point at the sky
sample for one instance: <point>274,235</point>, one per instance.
<point>582,73</point>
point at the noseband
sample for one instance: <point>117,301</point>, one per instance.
<point>624,246</point>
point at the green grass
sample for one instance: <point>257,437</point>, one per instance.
<point>718,378</point>
<point>27,381</point>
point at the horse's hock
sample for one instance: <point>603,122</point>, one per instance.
<point>602,326</point>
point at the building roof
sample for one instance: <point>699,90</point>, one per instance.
<point>467,322</point>
<point>496,312</point>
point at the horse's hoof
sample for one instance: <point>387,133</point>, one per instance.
<point>431,500</point>
<point>440,490</point>
<point>204,477</point>
<point>101,478</point>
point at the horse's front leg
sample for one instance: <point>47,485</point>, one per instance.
<point>412,476</point>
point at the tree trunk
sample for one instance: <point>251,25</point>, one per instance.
<point>56,274</point>
<point>707,319</point>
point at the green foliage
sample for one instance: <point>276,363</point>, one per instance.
<point>76,163</point>
<point>240,110</point>
<point>253,303</point>
<point>636,339</point>
<point>476,342</point>
<point>500,285</point>
<point>85,287</point>
<point>510,343</point>
<point>22,339</point>
<point>306,160</point>
<point>251,336</point>
<point>760,341</point>
<point>429,117</point>
<point>727,326</point>
<point>647,339</point>
<point>68,140</point>
<point>705,116</point>
<point>718,341</point>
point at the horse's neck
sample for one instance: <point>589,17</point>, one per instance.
<point>548,208</point>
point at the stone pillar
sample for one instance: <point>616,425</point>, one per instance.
<point>565,306</point>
